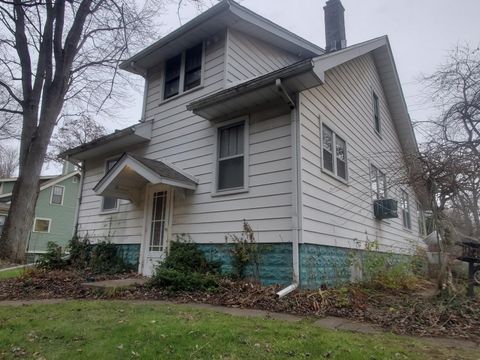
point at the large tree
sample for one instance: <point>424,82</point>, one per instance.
<point>57,59</point>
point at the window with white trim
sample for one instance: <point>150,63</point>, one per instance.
<point>378,182</point>
<point>231,157</point>
<point>42,225</point>
<point>57,195</point>
<point>183,72</point>
<point>109,203</point>
<point>334,153</point>
<point>422,224</point>
<point>405,204</point>
<point>376,113</point>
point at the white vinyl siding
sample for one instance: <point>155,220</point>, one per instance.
<point>188,141</point>
<point>335,213</point>
<point>249,57</point>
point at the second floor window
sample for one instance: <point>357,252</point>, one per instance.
<point>231,157</point>
<point>378,182</point>
<point>334,153</point>
<point>57,195</point>
<point>183,72</point>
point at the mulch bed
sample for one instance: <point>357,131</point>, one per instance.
<point>403,312</point>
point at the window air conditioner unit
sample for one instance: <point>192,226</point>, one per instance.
<point>385,209</point>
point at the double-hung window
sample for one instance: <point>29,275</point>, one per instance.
<point>109,203</point>
<point>378,182</point>
<point>183,72</point>
<point>57,195</point>
<point>376,113</point>
<point>231,157</point>
<point>334,153</point>
<point>405,203</point>
<point>422,225</point>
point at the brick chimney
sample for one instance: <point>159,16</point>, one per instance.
<point>334,26</point>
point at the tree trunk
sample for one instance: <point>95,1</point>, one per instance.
<point>19,223</point>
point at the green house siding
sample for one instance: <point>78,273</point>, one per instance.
<point>62,216</point>
<point>7,187</point>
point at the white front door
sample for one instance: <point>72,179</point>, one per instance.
<point>156,228</point>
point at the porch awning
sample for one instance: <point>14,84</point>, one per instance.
<point>131,172</point>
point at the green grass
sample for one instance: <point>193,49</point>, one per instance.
<point>118,330</point>
<point>8,274</point>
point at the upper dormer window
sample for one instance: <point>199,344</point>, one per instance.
<point>183,72</point>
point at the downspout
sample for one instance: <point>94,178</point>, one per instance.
<point>79,198</point>
<point>295,190</point>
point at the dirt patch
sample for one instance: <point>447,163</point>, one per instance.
<point>6,265</point>
<point>405,313</point>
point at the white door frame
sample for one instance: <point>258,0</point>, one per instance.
<point>149,191</point>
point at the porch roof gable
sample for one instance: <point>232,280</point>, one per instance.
<point>131,172</point>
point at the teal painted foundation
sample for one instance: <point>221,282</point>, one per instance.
<point>324,265</point>
<point>275,262</point>
<point>130,253</point>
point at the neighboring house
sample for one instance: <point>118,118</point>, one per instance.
<point>244,120</point>
<point>55,211</point>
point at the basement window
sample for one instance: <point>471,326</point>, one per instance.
<point>183,72</point>
<point>334,153</point>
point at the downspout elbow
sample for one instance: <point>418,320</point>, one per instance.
<point>286,290</point>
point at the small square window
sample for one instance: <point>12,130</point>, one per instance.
<point>42,225</point>
<point>334,153</point>
<point>57,195</point>
<point>231,157</point>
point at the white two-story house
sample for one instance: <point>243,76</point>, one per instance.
<point>244,120</point>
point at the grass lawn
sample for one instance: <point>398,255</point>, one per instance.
<point>11,273</point>
<point>119,330</point>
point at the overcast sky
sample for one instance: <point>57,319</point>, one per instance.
<point>420,31</point>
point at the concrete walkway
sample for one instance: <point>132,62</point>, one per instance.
<point>329,322</point>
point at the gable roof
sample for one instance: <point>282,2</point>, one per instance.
<point>42,178</point>
<point>226,13</point>
<point>53,181</point>
<point>131,172</point>
<point>225,102</point>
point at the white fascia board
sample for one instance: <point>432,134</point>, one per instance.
<point>326,62</point>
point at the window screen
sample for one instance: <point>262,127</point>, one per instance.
<point>172,76</point>
<point>57,195</point>
<point>193,67</point>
